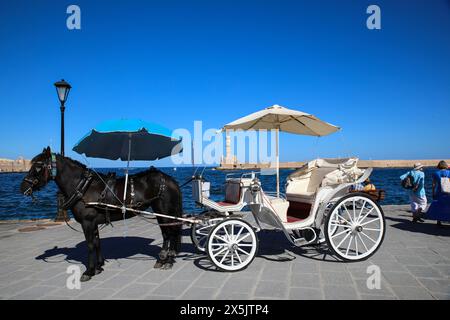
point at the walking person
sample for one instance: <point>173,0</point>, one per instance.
<point>440,207</point>
<point>414,181</point>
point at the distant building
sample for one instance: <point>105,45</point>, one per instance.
<point>18,165</point>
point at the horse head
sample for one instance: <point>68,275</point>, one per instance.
<point>40,172</point>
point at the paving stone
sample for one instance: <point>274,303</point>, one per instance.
<point>376,297</point>
<point>157,297</point>
<point>336,278</point>
<point>15,277</point>
<point>274,274</point>
<point>239,285</point>
<point>384,290</point>
<point>436,285</point>
<point>411,293</point>
<point>308,280</point>
<point>198,293</point>
<point>271,289</point>
<point>358,273</point>
<point>55,297</point>
<point>400,279</point>
<point>96,294</point>
<point>339,292</point>
<point>66,293</point>
<point>424,272</point>
<point>172,287</point>
<point>154,276</point>
<point>444,269</point>
<point>135,291</point>
<point>232,296</point>
<point>117,282</point>
<point>394,266</point>
<point>441,296</point>
<point>309,267</point>
<point>411,260</point>
<point>34,292</point>
<point>305,294</point>
<point>17,287</point>
<point>333,266</point>
<point>211,279</point>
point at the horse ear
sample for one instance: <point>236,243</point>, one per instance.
<point>48,152</point>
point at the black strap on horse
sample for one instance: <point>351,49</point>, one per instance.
<point>80,190</point>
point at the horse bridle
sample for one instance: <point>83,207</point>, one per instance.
<point>50,173</point>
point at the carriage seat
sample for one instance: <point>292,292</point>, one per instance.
<point>304,189</point>
<point>233,192</point>
<point>302,185</point>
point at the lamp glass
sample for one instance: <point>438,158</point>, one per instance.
<point>62,93</point>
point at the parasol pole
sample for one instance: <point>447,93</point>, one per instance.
<point>277,132</point>
<point>126,175</point>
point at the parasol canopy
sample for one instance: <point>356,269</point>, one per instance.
<point>283,119</point>
<point>129,139</point>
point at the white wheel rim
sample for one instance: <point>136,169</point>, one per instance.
<point>201,232</point>
<point>232,245</point>
<point>355,228</point>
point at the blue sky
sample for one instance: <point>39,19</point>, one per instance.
<point>174,62</point>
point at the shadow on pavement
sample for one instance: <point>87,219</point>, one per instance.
<point>428,227</point>
<point>112,248</point>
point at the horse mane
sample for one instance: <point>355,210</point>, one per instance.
<point>36,158</point>
<point>73,161</point>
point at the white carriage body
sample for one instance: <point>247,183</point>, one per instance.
<point>309,191</point>
<point>318,207</point>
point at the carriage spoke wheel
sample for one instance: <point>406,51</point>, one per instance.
<point>355,227</point>
<point>200,232</point>
<point>232,245</point>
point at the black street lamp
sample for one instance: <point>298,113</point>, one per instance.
<point>62,89</point>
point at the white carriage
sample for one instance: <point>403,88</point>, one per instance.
<point>318,207</point>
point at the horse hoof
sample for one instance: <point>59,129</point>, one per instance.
<point>158,265</point>
<point>167,266</point>
<point>98,270</point>
<point>85,278</point>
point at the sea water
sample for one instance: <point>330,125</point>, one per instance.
<point>14,205</point>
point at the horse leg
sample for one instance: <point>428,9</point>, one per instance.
<point>174,247</point>
<point>89,234</point>
<point>162,259</point>
<point>98,251</point>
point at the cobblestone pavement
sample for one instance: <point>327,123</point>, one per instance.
<point>414,261</point>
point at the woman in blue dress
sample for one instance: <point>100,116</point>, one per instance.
<point>417,196</point>
<point>440,207</point>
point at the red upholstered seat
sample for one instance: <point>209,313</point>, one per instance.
<point>298,211</point>
<point>224,204</point>
<point>232,193</point>
<point>293,219</point>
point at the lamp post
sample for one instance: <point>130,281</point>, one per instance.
<point>62,89</point>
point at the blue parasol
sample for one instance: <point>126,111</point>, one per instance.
<point>129,140</point>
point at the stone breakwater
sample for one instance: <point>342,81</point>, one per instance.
<point>361,164</point>
<point>18,165</point>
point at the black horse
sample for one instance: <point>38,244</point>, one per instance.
<point>80,185</point>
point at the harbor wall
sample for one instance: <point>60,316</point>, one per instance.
<point>361,164</point>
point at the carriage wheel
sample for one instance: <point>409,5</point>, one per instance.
<point>200,231</point>
<point>355,227</point>
<point>232,245</point>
